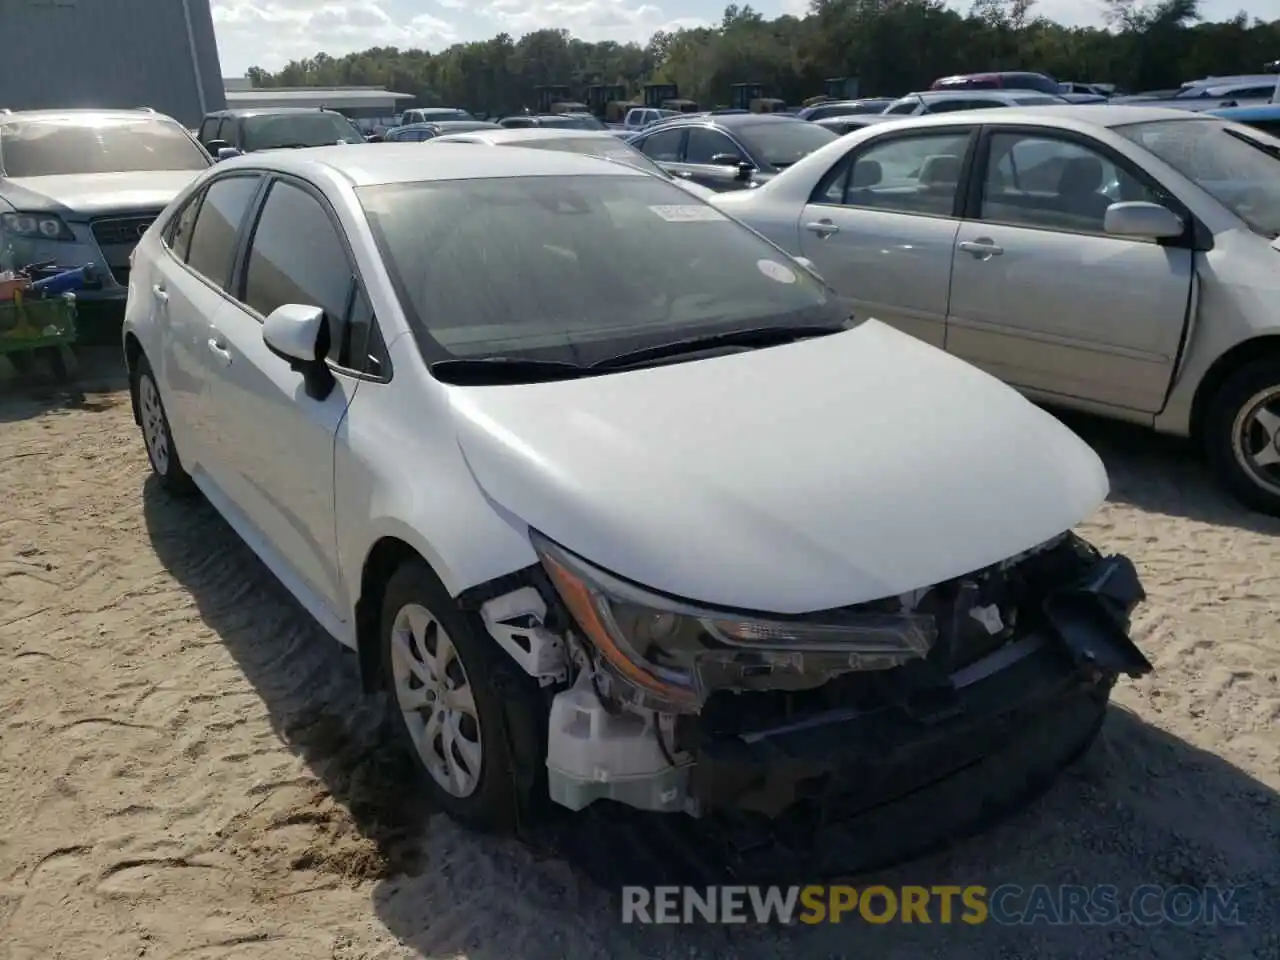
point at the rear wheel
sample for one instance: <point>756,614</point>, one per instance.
<point>165,462</point>
<point>1242,435</point>
<point>457,702</point>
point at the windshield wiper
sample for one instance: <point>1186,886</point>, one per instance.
<point>1266,148</point>
<point>489,371</point>
<point>752,337</point>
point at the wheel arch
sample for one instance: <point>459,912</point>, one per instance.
<point>1245,352</point>
<point>386,556</point>
<point>133,352</point>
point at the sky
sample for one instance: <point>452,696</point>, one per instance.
<point>269,33</point>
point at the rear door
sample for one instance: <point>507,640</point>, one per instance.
<point>1042,297</point>
<point>276,442</point>
<point>188,290</point>
<point>881,226</point>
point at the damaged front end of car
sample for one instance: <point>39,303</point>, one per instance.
<point>662,705</point>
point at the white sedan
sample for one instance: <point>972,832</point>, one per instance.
<point>563,515</point>
<point>589,143</point>
<point>1121,260</point>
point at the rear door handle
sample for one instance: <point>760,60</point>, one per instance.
<point>219,350</point>
<point>158,291</point>
<point>823,228</point>
<point>982,248</point>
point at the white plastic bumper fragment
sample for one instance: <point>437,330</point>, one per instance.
<point>515,621</point>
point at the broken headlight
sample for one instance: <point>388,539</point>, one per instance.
<point>673,653</point>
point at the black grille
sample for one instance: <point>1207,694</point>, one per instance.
<point>116,238</point>
<point>121,231</point>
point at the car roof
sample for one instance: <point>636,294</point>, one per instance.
<point>246,112</point>
<point>369,164</point>
<point>969,94</point>
<point>142,113</point>
<point>1055,114</point>
<point>1258,111</point>
<point>521,134</point>
<point>726,121</point>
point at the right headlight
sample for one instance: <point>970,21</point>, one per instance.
<point>674,653</point>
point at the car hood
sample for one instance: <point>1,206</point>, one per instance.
<point>791,479</point>
<point>97,193</point>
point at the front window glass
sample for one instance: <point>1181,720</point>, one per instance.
<point>58,147</point>
<point>564,268</point>
<point>611,148</point>
<point>1240,169</point>
<point>783,143</point>
<point>298,130</point>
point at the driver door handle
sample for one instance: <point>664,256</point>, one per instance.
<point>158,291</point>
<point>982,248</point>
<point>823,228</point>
<point>219,350</point>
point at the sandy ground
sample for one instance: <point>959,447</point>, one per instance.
<point>187,768</point>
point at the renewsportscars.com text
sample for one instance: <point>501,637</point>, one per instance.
<point>1007,904</point>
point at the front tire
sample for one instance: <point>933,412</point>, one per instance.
<point>156,435</point>
<point>456,702</point>
<point>1242,435</point>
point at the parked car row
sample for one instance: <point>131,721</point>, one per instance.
<point>493,490</point>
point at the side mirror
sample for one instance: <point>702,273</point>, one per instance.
<point>1142,220</point>
<point>213,146</point>
<point>726,159</point>
<point>375,138</point>
<point>226,153</point>
<point>299,334</point>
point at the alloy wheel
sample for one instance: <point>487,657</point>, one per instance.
<point>434,695</point>
<point>154,431</point>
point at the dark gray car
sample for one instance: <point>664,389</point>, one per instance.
<point>730,151</point>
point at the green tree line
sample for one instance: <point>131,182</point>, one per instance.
<point>891,46</point>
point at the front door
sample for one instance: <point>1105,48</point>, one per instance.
<point>1043,298</point>
<point>277,441</point>
<point>880,228</point>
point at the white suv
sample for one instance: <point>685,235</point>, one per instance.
<point>591,530</point>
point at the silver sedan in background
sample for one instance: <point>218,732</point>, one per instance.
<point>590,143</point>
<point>1121,260</point>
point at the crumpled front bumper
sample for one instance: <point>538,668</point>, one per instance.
<point>923,726</point>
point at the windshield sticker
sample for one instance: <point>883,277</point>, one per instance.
<point>776,271</point>
<point>687,213</point>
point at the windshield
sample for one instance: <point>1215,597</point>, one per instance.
<point>1239,169</point>
<point>56,147</point>
<point>782,143</point>
<point>298,130</point>
<point>611,148</point>
<point>577,269</point>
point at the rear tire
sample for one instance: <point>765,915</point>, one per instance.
<point>459,705</point>
<point>1242,435</point>
<point>156,435</point>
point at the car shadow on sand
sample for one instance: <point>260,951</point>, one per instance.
<point>1162,474</point>
<point>1142,807</point>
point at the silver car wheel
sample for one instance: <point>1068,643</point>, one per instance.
<point>435,697</point>
<point>1255,439</point>
<point>153,426</point>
